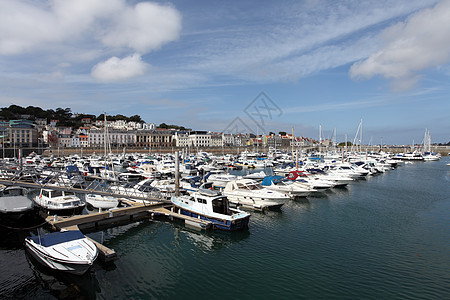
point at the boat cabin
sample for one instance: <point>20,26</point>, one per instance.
<point>208,201</point>
<point>243,184</point>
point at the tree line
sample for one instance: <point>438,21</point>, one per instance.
<point>64,116</point>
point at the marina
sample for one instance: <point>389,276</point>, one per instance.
<point>341,221</point>
<point>202,150</point>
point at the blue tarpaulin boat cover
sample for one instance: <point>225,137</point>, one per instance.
<point>55,238</point>
<point>269,179</point>
<point>72,169</point>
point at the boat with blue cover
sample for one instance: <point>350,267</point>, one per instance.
<point>281,184</point>
<point>69,251</point>
<point>211,206</point>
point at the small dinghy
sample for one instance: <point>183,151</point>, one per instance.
<point>69,251</point>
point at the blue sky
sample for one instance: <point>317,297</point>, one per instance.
<point>204,64</point>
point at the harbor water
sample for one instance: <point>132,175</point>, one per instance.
<point>385,237</point>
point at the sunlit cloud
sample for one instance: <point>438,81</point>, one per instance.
<point>419,43</point>
<point>115,69</point>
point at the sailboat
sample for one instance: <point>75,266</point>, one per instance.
<point>104,201</point>
<point>428,155</point>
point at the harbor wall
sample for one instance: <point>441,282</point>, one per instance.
<point>11,152</point>
<point>443,150</point>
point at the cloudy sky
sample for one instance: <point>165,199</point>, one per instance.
<point>233,65</point>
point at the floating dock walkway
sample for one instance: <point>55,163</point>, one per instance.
<point>142,208</point>
<point>119,216</point>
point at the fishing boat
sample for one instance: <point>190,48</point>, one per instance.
<point>102,201</point>
<point>61,203</point>
<point>69,251</point>
<point>210,205</point>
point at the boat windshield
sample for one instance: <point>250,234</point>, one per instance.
<point>254,186</point>
<point>285,182</point>
<point>57,193</point>
<point>57,238</point>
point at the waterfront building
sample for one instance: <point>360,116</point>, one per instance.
<point>228,139</point>
<point>216,140</point>
<point>4,130</point>
<point>120,138</point>
<point>272,140</point>
<point>65,140</point>
<point>199,139</point>
<point>96,138</point>
<point>154,138</point>
<point>22,133</point>
<point>181,138</point>
<point>148,126</point>
<point>84,142</point>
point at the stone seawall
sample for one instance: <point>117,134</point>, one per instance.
<point>443,150</point>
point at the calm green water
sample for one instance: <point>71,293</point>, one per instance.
<point>387,237</point>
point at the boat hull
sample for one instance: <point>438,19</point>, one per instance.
<point>64,212</point>
<point>101,202</point>
<point>256,202</point>
<point>45,259</point>
<point>229,225</point>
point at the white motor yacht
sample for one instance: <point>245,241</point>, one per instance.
<point>219,178</point>
<point>286,186</point>
<point>59,202</point>
<point>247,192</point>
<point>340,180</point>
<point>212,206</point>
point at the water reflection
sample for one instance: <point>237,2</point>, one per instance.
<point>208,241</point>
<point>63,285</point>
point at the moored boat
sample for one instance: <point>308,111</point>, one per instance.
<point>59,202</point>
<point>102,201</point>
<point>69,251</point>
<point>249,193</point>
<point>287,187</point>
<point>15,206</point>
<point>212,206</point>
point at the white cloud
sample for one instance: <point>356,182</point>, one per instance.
<point>22,26</point>
<point>68,31</point>
<point>144,27</point>
<point>115,69</point>
<point>292,40</point>
<point>419,43</point>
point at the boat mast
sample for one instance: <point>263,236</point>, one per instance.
<point>320,139</point>
<point>292,142</point>
<point>105,135</point>
<point>360,137</point>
